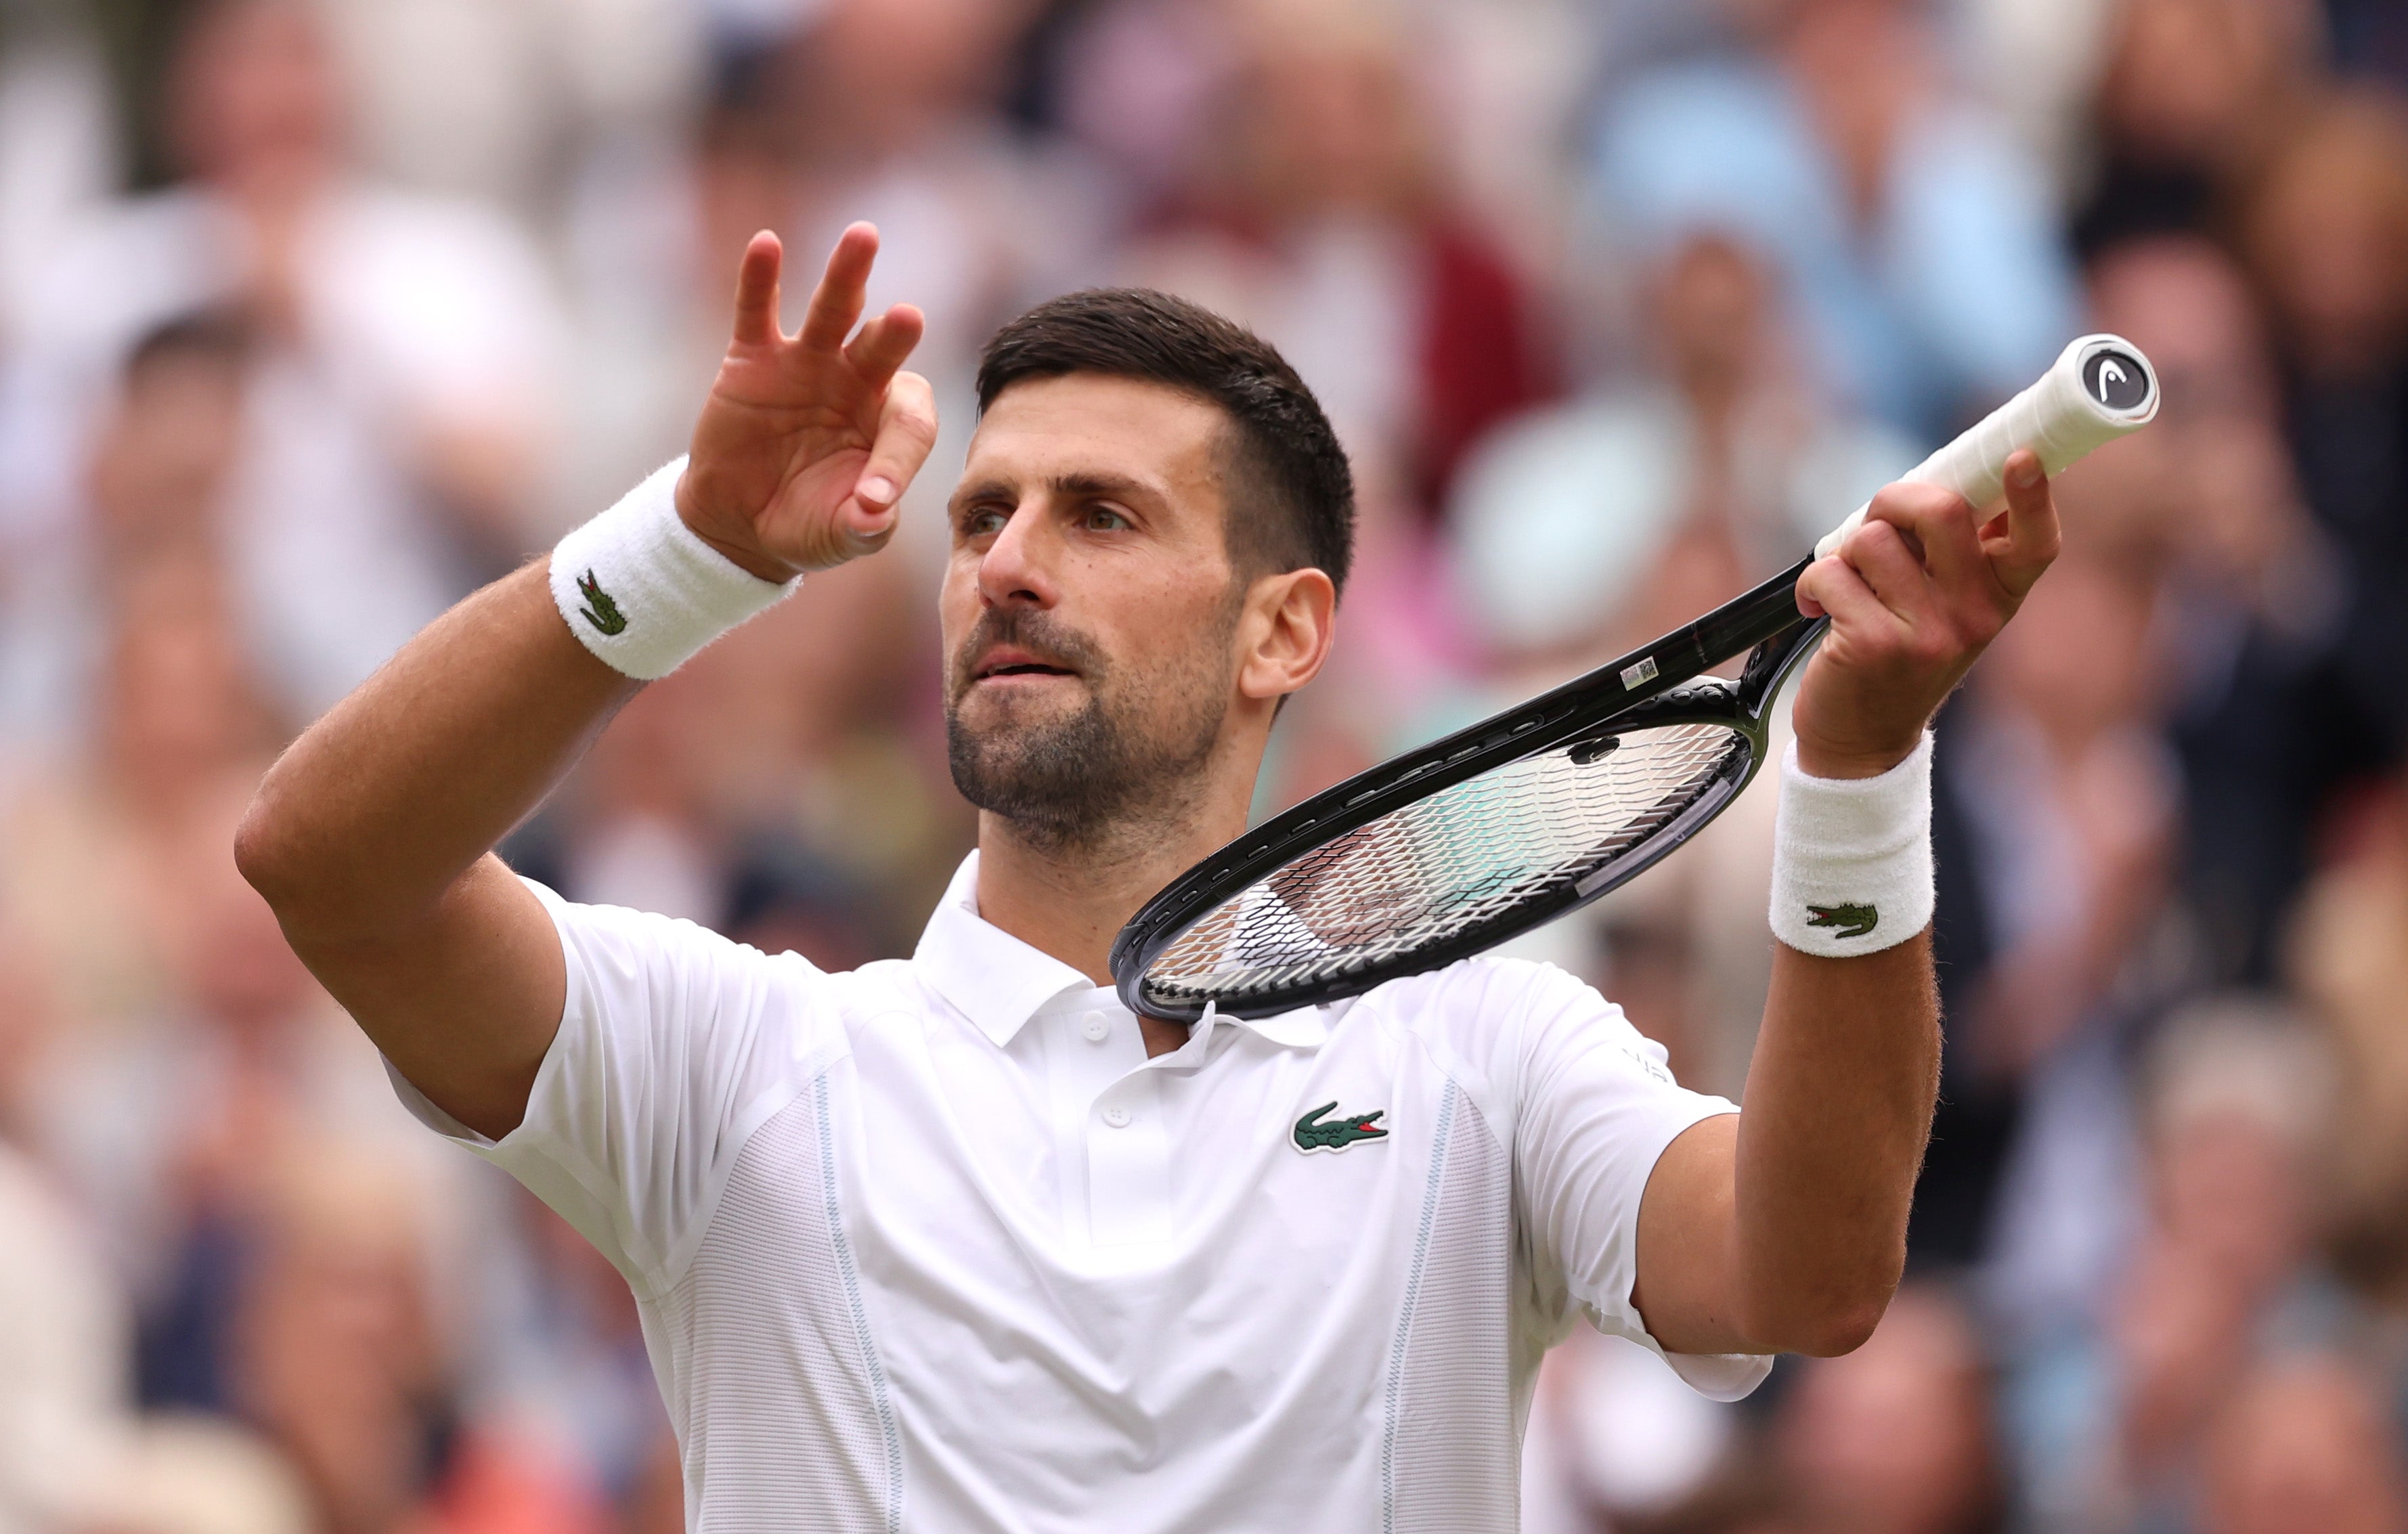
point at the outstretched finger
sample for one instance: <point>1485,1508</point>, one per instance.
<point>2032,534</point>
<point>757,291</point>
<point>906,432</point>
<point>885,344</point>
<point>844,288</point>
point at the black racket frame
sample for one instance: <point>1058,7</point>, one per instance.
<point>1667,687</point>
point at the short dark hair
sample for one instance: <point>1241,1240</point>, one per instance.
<point>1290,489</point>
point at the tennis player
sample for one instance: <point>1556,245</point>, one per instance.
<point>957,1244</point>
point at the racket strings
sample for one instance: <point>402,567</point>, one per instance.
<point>1439,868</point>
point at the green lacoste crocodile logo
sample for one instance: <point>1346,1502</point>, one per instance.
<point>1852,921</point>
<point>602,613</point>
<point>1311,1134</point>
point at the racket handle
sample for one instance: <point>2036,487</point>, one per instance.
<point>2100,388</point>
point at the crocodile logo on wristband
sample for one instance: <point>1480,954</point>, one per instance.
<point>602,613</point>
<point>1851,921</point>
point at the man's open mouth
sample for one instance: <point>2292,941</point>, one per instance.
<point>1011,661</point>
<point>1025,668</point>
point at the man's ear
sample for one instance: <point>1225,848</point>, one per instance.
<point>1286,632</point>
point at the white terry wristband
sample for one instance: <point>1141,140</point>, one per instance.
<point>1852,857</point>
<point>643,591</point>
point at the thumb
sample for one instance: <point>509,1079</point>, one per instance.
<point>906,432</point>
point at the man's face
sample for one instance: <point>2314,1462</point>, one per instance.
<point>1089,607</point>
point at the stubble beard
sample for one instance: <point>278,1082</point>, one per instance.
<point>1129,760</point>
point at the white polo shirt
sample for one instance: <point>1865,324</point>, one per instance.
<point>934,1246</point>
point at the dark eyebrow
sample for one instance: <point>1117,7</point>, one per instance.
<point>1114,486</point>
<point>984,490</point>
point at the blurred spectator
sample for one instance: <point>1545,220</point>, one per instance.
<point>151,491</point>
<point>690,806</point>
<point>575,1383</point>
<point>198,1474</point>
<point>1317,210</point>
<point>877,109</point>
<point>172,1128</point>
<point>501,101</point>
<point>2108,1413</point>
<point>394,431</point>
<point>2065,801</point>
<point>1914,237</point>
<point>2369,37</point>
<point>72,1456</point>
<point>886,110</point>
<point>100,842</point>
<point>1896,1438</point>
<point>2193,97</point>
<point>63,1353</point>
<point>1588,529</point>
<point>2306,1447</point>
<point>2349,960</point>
<point>2327,230</point>
<point>186,1474</point>
<point>2037,64</point>
<point>2252,595</point>
<point>57,144</point>
<point>336,1356</point>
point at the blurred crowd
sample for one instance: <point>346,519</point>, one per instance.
<point>314,314</point>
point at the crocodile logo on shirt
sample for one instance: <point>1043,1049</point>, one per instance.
<point>1314,1134</point>
<point>1852,921</point>
<point>602,613</point>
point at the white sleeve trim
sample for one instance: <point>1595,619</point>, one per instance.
<point>1716,1376</point>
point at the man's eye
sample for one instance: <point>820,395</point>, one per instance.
<point>1103,519</point>
<point>984,524</point>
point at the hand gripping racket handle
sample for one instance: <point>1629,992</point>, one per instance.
<point>2100,388</point>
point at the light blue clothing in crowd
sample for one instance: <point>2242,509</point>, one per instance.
<point>1961,294</point>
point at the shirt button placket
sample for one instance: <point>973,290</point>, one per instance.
<point>1096,1026</point>
<point>1117,1116</point>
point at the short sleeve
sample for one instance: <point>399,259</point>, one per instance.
<point>675,1044</point>
<point>1594,1108</point>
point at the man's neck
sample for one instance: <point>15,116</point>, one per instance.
<point>1072,902</point>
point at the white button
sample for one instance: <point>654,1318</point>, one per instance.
<point>1097,1028</point>
<point>1117,1117</point>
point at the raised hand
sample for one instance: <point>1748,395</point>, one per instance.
<point>1914,595</point>
<point>806,441</point>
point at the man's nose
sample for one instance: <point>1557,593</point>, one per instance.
<point>1018,565</point>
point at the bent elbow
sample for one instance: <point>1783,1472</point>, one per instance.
<point>262,853</point>
<point>1841,1331</point>
<point>1820,1326</point>
<point>273,853</point>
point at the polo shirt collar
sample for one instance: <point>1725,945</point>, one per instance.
<point>999,983</point>
<point>989,976</point>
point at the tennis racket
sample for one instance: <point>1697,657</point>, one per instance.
<point>1463,844</point>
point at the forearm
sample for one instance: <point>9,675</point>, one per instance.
<point>374,814</point>
<point>1783,1229</point>
<point>1839,1105</point>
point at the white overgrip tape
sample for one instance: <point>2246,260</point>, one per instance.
<point>643,591</point>
<point>1852,857</point>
